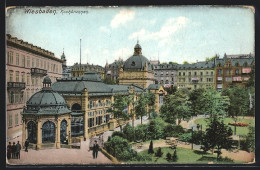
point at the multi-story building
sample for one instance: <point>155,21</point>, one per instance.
<point>137,70</point>
<point>112,70</point>
<point>77,70</point>
<point>26,66</point>
<point>233,70</point>
<point>166,74</point>
<point>197,75</point>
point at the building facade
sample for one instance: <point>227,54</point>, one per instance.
<point>233,70</point>
<point>166,74</point>
<point>26,66</point>
<point>197,75</point>
<point>137,70</point>
<point>112,70</point>
<point>77,70</point>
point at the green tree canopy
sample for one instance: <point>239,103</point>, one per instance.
<point>196,99</point>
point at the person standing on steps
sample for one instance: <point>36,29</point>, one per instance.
<point>9,150</point>
<point>95,150</point>
<point>18,149</point>
<point>13,151</point>
<point>26,144</point>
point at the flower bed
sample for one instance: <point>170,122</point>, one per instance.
<point>238,124</point>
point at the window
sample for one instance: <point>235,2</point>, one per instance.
<point>10,121</point>
<point>28,80</point>
<point>245,64</point>
<point>44,64</point>
<point>237,71</point>
<point>133,63</point>
<point>32,81</point>
<point>11,76</point>
<point>17,76</point>
<point>23,77</point>
<point>28,61</point>
<point>201,79</point>
<point>155,73</point>
<point>10,57</point>
<point>201,73</point>
<point>189,73</point>
<point>48,66</point>
<point>16,119</point>
<point>183,73</point>
<point>179,73</point>
<point>207,73</point>
<point>33,61</point>
<point>56,69</point>
<point>41,63</point>
<point>195,86</point>
<point>219,72</point>
<point>37,63</point>
<point>166,73</point>
<point>212,73</point>
<point>23,61</point>
<point>17,59</point>
<point>195,73</point>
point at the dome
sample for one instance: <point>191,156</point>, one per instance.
<point>46,80</point>
<point>46,101</point>
<point>92,76</point>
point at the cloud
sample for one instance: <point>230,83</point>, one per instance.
<point>169,28</point>
<point>124,53</point>
<point>103,29</point>
<point>122,18</point>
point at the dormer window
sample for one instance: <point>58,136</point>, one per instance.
<point>133,63</point>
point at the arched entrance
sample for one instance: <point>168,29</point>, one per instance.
<point>31,129</point>
<point>63,132</point>
<point>76,107</point>
<point>48,132</point>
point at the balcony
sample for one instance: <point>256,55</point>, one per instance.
<point>15,86</point>
<point>195,80</point>
<point>38,72</point>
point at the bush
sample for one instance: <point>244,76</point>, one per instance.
<point>117,133</point>
<point>168,156</point>
<point>153,114</point>
<point>155,128</point>
<point>173,130</point>
<point>186,137</point>
<point>150,151</point>
<point>128,132</point>
<point>119,148</point>
<point>140,157</point>
<point>159,152</point>
<point>141,132</point>
<point>174,156</point>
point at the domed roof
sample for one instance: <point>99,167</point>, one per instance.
<point>46,101</point>
<point>137,61</point>
<point>46,80</point>
<point>92,76</point>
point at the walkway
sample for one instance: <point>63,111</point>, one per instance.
<point>60,156</point>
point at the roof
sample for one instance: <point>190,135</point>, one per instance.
<point>198,65</point>
<point>76,65</point>
<point>154,86</point>
<point>137,62</point>
<point>240,61</point>
<point>166,66</point>
<point>124,88</point>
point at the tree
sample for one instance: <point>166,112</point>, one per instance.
<point>109,80</point>
<point>196,99</point>
<point>150,151</point>
<point>150,99</point>
<point>141,132</point>
<point>214,103</point>
<point>217,136</point>
<point>171,62</point>
<point>171,90</point>
<point>239,101</point>
<point>174,156</point>
<point>119,147</point>
<point>140,108</point>
<point>171,130</point>
<point>155,129</point>
<point>211,58</point>
<point>185,62</point>
<point>176,107</point>
<point>168,157</point>
<point>159,152</point>
<point>128,132</point>
<point>119,109</point>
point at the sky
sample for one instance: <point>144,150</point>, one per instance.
<point>170,33</point>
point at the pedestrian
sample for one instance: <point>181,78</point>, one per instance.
<point>95,150</point>
<point>13,151</point>
<point>26,144</point>
<point>9,150</point>
<point>18,149</point>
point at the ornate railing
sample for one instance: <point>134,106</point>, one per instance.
<point>38,71</point>
<point>15,85</point>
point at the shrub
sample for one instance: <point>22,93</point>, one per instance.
<point>141,132</point>
<point>153,114</point>
<point>186,137</point>
<point>150,151</point>
<point>140,157</point>
<point>173,130</point>
<point>174,156</point>
<point>159,152</point>
<point>128,132</point>
<point>168,156</point>
<point>155,128</point>
<point>117,133</point>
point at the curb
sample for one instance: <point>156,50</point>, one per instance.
<point>109,156</point>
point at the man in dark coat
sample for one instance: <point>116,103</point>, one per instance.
<point>95,150</point>
<point>26,144</point>
<point>9,150</point>
<point>18,149</point>
<point>13,151</point>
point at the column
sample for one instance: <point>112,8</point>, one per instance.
<point>69,129</point>
<point>39,134</point>
<point>85,108</point>
<point>58,134</point>
<point>24,131</point>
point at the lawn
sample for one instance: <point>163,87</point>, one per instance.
<point>242,131</point>
<point>185,156</point>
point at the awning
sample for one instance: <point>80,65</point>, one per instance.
<point>238,78</point>
<point>246,70</point>
<point>195,79</point>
